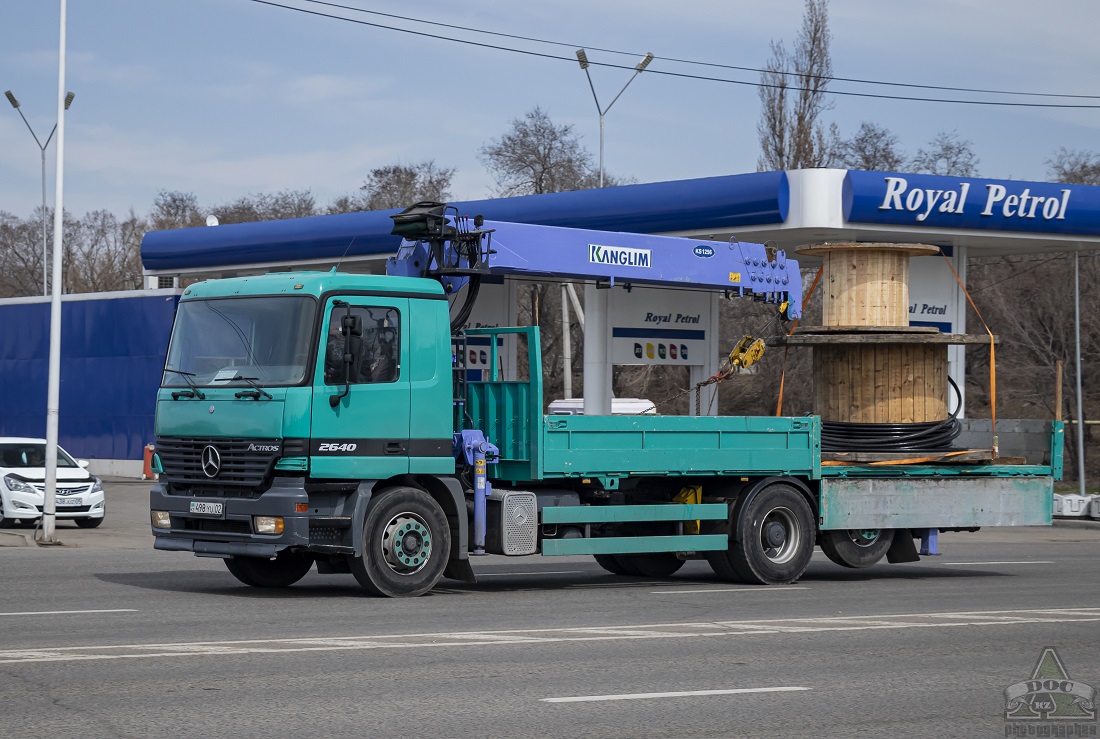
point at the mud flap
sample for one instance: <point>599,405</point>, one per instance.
<point>460,569</point>
<point>903,549</point>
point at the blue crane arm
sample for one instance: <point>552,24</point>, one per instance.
<point>454,249</point>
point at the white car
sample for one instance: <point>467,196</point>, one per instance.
<point>23,482</point>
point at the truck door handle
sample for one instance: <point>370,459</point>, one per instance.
<point>394,447</point>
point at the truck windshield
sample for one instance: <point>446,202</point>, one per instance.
<point>240,341</point>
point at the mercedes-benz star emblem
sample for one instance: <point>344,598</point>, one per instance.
<point>211,461</point>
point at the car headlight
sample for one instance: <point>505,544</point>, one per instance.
<point>17,486</point>
<point>97,485</point>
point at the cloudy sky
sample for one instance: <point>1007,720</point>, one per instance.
<point>227,97</point>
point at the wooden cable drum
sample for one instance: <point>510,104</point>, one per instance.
<point>866,288</point>
<point>866,284</point>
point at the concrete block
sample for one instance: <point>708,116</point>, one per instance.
<point>1094,507</point>
<point>1072,505</point>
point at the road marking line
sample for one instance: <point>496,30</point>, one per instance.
<point>680,694</point>
<point>513,637</point>
<point>551,572</point>
<point>1030,562</point>
<point>729,590</point>
<point>65,613</point>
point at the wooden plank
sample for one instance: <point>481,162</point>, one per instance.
<point>861,337</point>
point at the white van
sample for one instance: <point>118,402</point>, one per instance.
<point>619,407</point>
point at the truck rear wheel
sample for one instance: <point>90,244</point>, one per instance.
<point>286,569</point>
<point>777,539</point>
<point>856,547</point>
<point>406,542</point>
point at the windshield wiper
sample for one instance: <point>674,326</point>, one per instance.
<point>194,391</point>
<point>254,393</point>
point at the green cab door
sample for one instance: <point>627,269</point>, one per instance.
<point>366,434</point>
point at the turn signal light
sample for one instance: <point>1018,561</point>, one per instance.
<point>160,519</point>
<point>301,507</point>
<point>268,524</point>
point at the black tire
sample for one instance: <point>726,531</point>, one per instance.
<point>406,544</point>
<point>286,569</point>
<point>657,564</point>
<point>856,548</point>
<point>610,562</point>
<point>89,523</point>
<point>778,540</point>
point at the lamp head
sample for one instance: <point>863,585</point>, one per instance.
<point>581,57</point>
<point>11,99</point>
<point>69,99</point>
<point>645,62</point>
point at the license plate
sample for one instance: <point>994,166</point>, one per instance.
<point>62,502</point>
<point>210,509</point>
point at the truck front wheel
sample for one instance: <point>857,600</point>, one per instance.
<point>406,542</point>
<point>776,542</point>
<point>856,547</point>
<point>285,570</point>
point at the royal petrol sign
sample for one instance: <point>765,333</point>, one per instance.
<point>968,203</point>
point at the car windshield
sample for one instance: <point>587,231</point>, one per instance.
<point>30,454</point>
<point>223,341</point>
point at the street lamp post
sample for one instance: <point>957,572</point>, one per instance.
<point>42,147</point>
<point>582,57</point>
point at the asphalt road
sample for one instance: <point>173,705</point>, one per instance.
<point>104,637</point>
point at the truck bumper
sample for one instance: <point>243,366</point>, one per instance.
<point>232,533</point>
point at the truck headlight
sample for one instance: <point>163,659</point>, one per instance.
<point>268,524</point>
<point>160,519</point>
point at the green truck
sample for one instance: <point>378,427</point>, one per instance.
<point>327,419</point>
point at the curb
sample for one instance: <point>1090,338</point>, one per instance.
<point>12,539</point>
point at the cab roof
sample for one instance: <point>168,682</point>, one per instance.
<point>310,283</point>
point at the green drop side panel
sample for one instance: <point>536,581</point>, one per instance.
<point>645,445</point>
<point>670,512</point>
<point>509,412</point>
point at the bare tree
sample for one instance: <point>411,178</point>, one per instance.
<point>872,148</point>
<point>401,185</point>
<point>104,254</point>
<point>946,154</point>
<point>21,254</point>
<point>175,209</point>
<point>1075,167</point>
<point>267,207</point>
<point>792,98</point>
<point>537,156</point>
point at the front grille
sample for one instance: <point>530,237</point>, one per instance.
<point>240,468</point>
<point>216,526</point>
<point>69,509</point>
<point>64,488</point>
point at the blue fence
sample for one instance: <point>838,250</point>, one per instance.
<point>112,355</point>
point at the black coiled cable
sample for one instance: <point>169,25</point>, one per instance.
<point>934,436</point>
